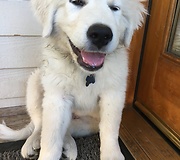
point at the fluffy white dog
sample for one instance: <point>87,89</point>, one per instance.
<point>80,87</point>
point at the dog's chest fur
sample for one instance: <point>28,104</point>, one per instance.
<point>71,81</point>
<point>66,77</point>
<point>86,97</point>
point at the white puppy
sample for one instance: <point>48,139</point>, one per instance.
<point>81,84</point>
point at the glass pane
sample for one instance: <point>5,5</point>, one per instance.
<point>174,45</point>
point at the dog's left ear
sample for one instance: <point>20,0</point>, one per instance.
<point>49,22</point>
<point>45,11</point>
<point>134,12</point>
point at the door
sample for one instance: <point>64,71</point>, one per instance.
<point>158,93</point>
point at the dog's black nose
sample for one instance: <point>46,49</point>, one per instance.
<point>100,35</point>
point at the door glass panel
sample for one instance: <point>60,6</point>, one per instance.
<point>174,43</point>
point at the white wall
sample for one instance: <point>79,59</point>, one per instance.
<point>20,47</point>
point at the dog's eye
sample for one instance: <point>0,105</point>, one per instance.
<point>78,2</point>
<point>114,8</point>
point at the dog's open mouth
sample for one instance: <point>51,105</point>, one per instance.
<point>90,61</point>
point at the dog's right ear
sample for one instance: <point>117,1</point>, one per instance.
<point>134,12</point>
<point>45,11</point>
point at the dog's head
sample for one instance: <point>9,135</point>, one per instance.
<point>92,28</point>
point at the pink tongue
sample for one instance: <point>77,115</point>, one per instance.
<point>93,59</point>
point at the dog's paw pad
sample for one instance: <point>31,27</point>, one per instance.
<point>33,157</point>
<point>28,152</point>
<point>64,156</point>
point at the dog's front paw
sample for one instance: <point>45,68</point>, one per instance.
<point>69,148</point>
<point>50,154</point>
<point>112,156</point>
<point>31,147</point>
<point>111,153</point>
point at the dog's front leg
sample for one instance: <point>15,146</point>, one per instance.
<point>56,118</point>
<point>111,106</point>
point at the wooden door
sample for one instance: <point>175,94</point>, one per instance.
<point>158,94</point>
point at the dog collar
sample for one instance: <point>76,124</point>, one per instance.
<point>90,79</point>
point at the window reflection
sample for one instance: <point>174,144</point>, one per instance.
<point>174,45</point>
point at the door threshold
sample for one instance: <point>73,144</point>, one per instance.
<point>142,140</point>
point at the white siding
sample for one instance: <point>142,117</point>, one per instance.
<point>18,52</point>
<point>20,47</point>
<point>16,18</point>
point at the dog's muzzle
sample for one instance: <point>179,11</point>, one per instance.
<point>99,36</point>
<point>90,61</point>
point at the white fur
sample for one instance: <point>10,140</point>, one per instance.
<point>57,89</point>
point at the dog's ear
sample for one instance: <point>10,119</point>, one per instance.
<point>128,36</point>
<point>134,12</point>
<point>45,11</point>
<point>49,22</point>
